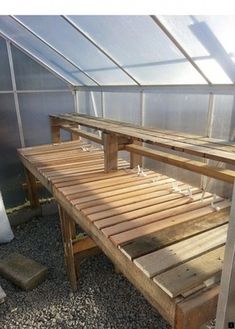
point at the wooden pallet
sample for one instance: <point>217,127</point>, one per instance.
<point>169,244</point>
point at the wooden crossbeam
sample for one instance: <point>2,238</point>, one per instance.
<point>181,162</point>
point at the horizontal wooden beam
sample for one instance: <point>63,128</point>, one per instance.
<point>83,244</point>
<point>82,133</point>
<point>225,175</point>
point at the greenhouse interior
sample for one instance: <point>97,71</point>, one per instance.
<point>117,154</point>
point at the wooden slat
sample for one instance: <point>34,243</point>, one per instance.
<point>138,186</point>
<point>161,238</point>
<point>190,274</point>
<point>180,252</point>
<point>144,205</point>
<point>128,231</point>
<point>132,201</point>
<point>192,165</point>
<point>129,220</point>
<point>82,133</point>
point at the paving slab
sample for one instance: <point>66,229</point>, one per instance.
<point>22,271</point>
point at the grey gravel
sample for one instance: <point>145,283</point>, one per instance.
<point>104,300</point>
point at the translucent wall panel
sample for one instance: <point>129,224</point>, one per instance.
<point>65,38</point>
<point>30,75</point>
<point>180,112</point>
<point>11,173</point>
<point>123,106</point>
<point>209,41</point>
<point>224,117</point>
<point>5,75</point>
<point>139,45</point>
<point>35,109</point>
<point>90,103</point>
<point>38,49</point>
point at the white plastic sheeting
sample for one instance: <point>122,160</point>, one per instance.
<point>6,234</point>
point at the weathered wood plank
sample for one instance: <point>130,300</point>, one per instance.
<point>128,231</point>
<point>161,238</point>
<point>190,274</point>
<point>161,260</point>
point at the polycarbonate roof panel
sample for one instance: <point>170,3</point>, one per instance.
<point>38,49</point>
<point>141,47</point>
<point>66,39</point>
<point>207,39</point>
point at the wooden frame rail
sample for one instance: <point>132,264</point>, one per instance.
<point>118,136</point>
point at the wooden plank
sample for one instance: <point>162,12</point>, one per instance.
<point>192,165</point>
<point>190,274</point>
<point>147,287</point>
<point>94,191</point>
<point>82,133</point>
<point>80,245</point>
<point>137,228</point>
<point>129,220</point>
<point>164,237</point>
<point>114,204</point>
<point>148,137</point>
<point>180,252</point>
<point>139,186</point>
<point>144,205</point>
<point>197,309</point>
<point>110,143</point>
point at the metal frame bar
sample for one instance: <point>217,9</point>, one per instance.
<point>35,91</point>
<point>180,48</point>
<point>53,48</point>
<point>16,100</point>
<point>226,302</point>
<point>74,25</point>
<point>103,103</point>
<point>194,89</point>
<point>36,59</point>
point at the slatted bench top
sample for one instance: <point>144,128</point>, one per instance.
<point>175,239</point>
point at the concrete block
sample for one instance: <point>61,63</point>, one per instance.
<point>2,295</point>
<point>23,272</point>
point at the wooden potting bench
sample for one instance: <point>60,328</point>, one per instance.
<point>167,238</point>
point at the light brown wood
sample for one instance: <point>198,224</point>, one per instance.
<point>55,130</point>
<point>166,258</point>
<point>197,309</point>
<point>171,217</point>
<point>191,274</point>
<point>136,159</point>
<point>192,165</point>
<point>110,143</point>
<point>32,188</point>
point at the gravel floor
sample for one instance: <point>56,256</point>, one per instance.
<point>105,299</point>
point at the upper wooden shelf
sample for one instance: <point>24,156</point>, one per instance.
<point>201,146</point>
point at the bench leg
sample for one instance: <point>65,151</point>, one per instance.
<point>32,189</point>
<point>136,159</point>
<point>68,234</point>
<point>76,249</point>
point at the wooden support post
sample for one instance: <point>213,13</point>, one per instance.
<point>110,142</point>
<point>76,249</point>
<point>32,189</point>
<point>74,135</point>
<point>68,234</point>
<point>136,159</point>
<point>55,130</point>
